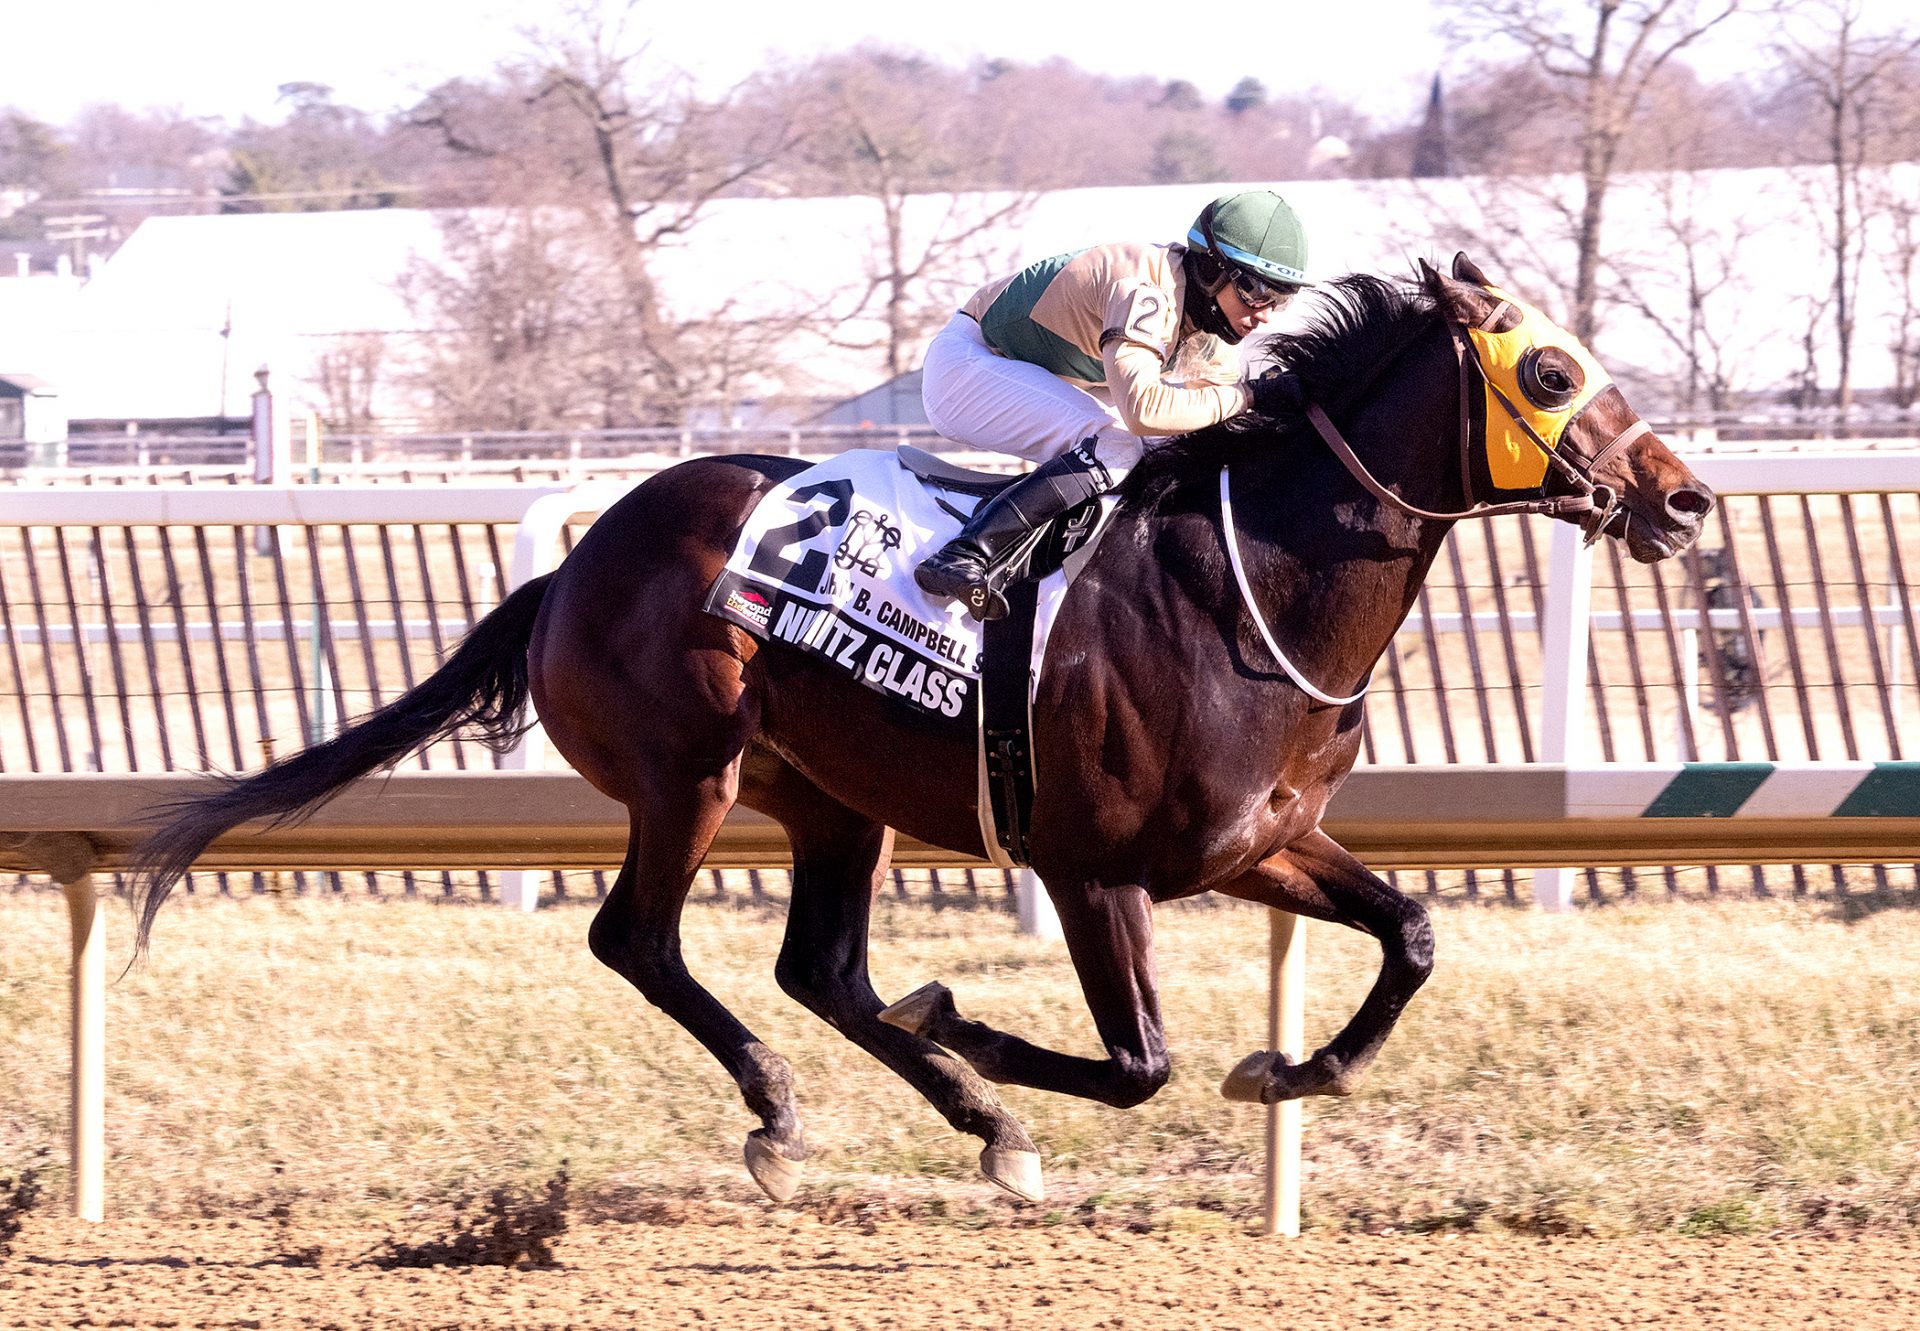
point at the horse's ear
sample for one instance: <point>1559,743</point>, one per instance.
<point>1468,271</point>
<point>1463,302</point>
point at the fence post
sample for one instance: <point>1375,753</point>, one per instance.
<point>1286,1034</point>
<point>536,550</point>
<point>1038,919</point>
<point>1563,678</point>
<point>1895,672</point>
<point>89,1043</point>
<point>67,857</point>
<point>1689,724</point>
<point>269,445</point>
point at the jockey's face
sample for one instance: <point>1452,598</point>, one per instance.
<point>1243,317</point>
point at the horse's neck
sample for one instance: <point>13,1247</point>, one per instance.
<point>1334,569</point>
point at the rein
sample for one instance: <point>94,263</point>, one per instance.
<point>1259,621</point>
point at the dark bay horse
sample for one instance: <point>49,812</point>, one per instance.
<point>1174,755</point>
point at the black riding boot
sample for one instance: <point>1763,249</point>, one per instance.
<point>970,568</point>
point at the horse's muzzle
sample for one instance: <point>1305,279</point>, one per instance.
<point>1664,527</point>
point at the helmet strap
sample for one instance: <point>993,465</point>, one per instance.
<point>1208,317</point>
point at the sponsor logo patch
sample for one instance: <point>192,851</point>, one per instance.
<point>750,605</point>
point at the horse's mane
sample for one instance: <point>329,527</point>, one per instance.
<point>1361,323</point>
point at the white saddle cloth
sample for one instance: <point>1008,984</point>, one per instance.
<point>825,563</point>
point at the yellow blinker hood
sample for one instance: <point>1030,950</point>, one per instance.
<point>1515,462</point>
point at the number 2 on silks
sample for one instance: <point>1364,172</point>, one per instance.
<point>770,555</point>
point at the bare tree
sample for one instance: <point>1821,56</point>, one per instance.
<point>1805,392</point>
<point>1595,60</point>
<point>1901,264</point>
<point>606,159</point>
<point>1894,195</point>
<point>348,375</point>
<point>323,156</point>
<point>1692,278</point>
<point>1692,294</point>
<point>919,141</point>
<point>1851,75</point>
<point>507,310</point>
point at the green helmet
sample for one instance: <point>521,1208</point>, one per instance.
<point>1257,231</point>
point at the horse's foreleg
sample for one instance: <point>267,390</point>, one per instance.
<point>637,933</point>
<point>1317,878</point>
<point>1109,934</point>
<point>839,861</point>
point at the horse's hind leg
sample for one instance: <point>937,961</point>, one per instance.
<point>1109,933</point>
<point>1318,878</point>
<point>637,933</point>
<point>840,859</point>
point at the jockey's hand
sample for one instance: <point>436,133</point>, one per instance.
<point>1278,396</point>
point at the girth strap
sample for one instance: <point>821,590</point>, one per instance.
<point>1006,696</point>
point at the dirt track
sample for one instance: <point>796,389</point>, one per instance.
<point>785,1270</point>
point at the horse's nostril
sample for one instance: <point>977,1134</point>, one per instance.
<point>1690,504</point>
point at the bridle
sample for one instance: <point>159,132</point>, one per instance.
<point>1594,501</point>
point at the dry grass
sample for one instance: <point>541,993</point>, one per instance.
<point>1699,1068</point>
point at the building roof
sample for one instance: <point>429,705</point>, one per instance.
<point>895,402</point>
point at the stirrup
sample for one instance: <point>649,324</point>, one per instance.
<point>949,577</point>
<point>984,602</point>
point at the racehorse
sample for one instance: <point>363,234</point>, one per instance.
<point>1186,739</point>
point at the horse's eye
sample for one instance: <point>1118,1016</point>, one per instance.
<point>1549,377</point>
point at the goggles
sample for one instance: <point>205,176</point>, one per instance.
<point>1258,294</point>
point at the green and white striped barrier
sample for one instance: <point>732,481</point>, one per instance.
<point>1745,790</point>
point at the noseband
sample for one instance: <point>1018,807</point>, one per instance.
<point>1595,502</point>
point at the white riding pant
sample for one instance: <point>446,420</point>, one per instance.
<point>1002,405</point>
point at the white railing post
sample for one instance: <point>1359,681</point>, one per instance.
<point>1038,919</point>
<point>268,444</point>
<point>1896,676</point>
<point>89,1048</point>
<point>1689,723</point>
<point>536,550</point>
<point>1286,1034</point>
<point>1563,678</point>
<point>68,858</point>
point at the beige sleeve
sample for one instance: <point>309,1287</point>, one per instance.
<point>1148,405</point>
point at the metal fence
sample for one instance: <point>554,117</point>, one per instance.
<point>189,627</point>
<point>91,458</point>
<point>461,452</point>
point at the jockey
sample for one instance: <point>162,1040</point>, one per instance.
<point>1063,362</point>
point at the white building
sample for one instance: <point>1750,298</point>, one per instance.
<point>174,324</point>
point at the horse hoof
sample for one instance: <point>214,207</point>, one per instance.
<point>1251,1076</point>
<point>777,1176</point>
<point>914,1013</point>
<point>1016,1171</point>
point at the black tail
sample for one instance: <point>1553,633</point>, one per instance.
<point>482,687</point>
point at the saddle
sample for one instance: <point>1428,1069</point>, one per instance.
<point>944,475</point>
<point>824,565</point>
<point>1050,545</point>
